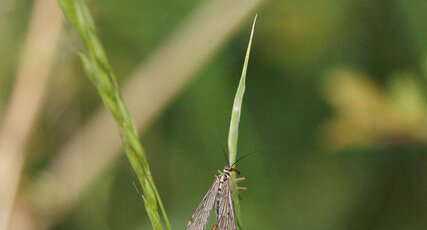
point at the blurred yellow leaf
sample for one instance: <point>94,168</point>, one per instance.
<point>369,115</point>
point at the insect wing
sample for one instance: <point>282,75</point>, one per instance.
<point>200,217</point>
<point>225,210</point>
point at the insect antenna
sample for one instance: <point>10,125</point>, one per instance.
<point>225,153</point>
<point>216,134</point>
<point>258,150</point>
<point>241,158</point>
<point>254,151</point>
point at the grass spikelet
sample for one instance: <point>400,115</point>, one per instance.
<point>100,73</point>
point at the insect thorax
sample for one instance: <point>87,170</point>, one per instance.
<point>223,177</point>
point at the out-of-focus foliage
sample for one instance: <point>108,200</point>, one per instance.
<point>335,109</point>
<point>375,116</point>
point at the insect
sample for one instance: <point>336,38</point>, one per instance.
<point>220,194</point>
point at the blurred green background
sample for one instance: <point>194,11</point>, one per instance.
<point>335,113</point>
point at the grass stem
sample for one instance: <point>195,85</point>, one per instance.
<point>234,123</point>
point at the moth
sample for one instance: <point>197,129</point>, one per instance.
<point>219,194</point>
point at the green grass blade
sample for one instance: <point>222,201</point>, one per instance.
<point>100,73</point>
<point>237,105</point>
<point>234,122</point>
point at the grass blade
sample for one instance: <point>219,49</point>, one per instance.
<point>234,122</point>
<point>100,73</point>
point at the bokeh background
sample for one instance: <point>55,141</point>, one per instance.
<point>335,112</point>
